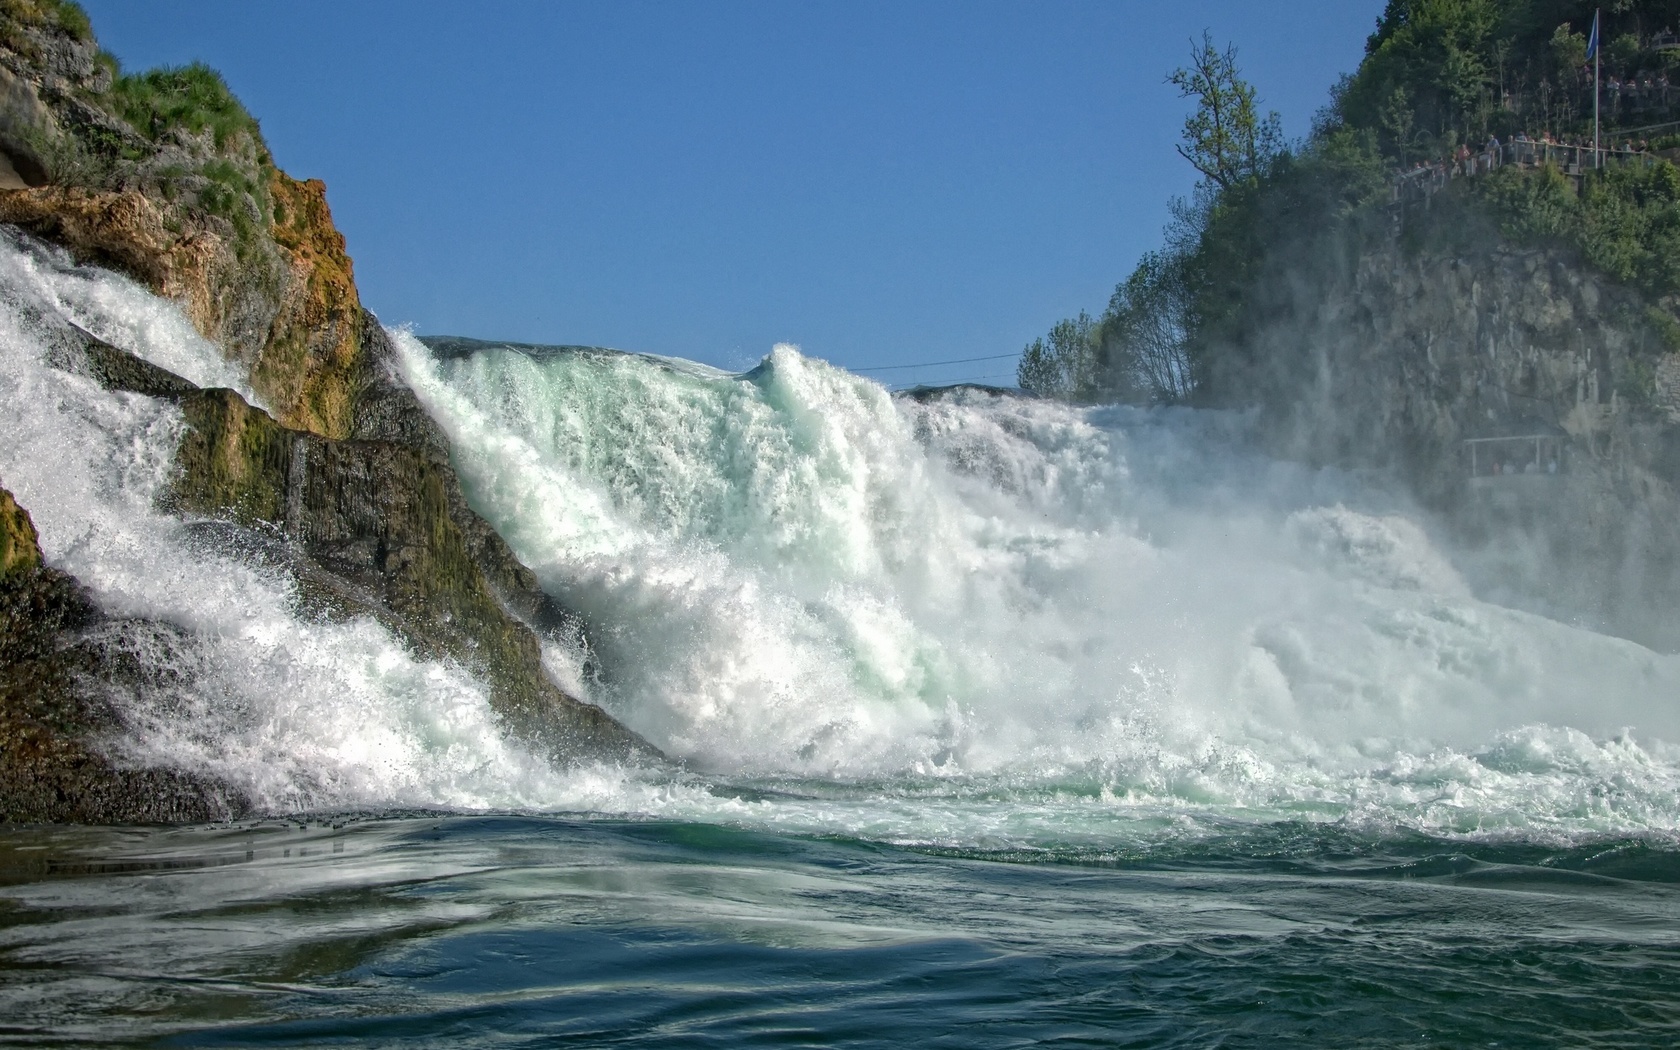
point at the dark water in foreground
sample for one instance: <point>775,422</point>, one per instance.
<point>547,931</point>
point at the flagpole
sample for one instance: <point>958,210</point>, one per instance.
<point>1598,61</point>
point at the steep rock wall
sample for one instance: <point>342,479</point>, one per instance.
<point>376,527</point>
<point>1381,352</point>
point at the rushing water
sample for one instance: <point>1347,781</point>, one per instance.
<point>995,722</point>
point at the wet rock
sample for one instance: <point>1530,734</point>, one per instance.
<point>380,528</point>
<point>55,710</point>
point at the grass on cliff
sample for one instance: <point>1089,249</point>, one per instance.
<point>66,14</point>
<point>193,97</point>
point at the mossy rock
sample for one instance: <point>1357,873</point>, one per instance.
<point>20,549</point>
<point>55,682</point>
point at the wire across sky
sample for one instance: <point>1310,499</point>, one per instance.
<point>936,364</point>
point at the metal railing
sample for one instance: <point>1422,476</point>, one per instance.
<point>1425,180</point>
<point>1527,454</point>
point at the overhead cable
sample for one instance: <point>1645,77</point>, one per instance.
<point>932,364</point>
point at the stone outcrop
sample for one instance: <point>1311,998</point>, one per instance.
<point>376,525</point>
<point>119,230</point>
<point>195,209</point>
<point>1407,355</point>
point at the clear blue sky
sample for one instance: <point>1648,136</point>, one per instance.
<point>880,183</point>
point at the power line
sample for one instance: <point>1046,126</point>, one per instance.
<point>931,364</point>
<point>960,382</point>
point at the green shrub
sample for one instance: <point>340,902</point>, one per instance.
<point>1666,327</point>
<point>66,14</point>
<point>1625,221</point>
<point>192,97</point>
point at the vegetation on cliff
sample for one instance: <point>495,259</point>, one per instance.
<point>164,174</point>
<point>1438,75</point>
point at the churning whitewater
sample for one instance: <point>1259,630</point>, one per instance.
<point>977,620</point>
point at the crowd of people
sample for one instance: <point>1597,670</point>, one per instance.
<point>1637,92</point>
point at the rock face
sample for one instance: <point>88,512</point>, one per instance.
<point>1387,354</point>
<point>164,176</point>
<point>380,528</point>
<point>20,549</point>
<point>347,485</point>
<point>57,671</point>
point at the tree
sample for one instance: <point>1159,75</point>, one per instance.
<point>1623,54</point>
<point>1568,50</point>
<point>1062,365</point>
<point>1225,138</point>
<point>1437,60</point>
<point>1395,121</point>
<point>1145,333</point>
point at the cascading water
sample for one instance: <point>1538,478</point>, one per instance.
<point>300,713</point>
<point>793,575</point>
<point>979,618</point>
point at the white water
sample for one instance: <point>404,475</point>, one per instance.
<point>299,713</point>
<point>981,621</point>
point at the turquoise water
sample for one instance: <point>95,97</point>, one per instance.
<point>992,722</point>
<point>591,931</point>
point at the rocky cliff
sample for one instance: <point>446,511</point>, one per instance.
<point>1404,347</point>
<point>164,176</point>
<point>345,484</point>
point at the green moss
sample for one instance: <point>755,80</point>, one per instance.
<point>232,461</point>
<point>20,548</point>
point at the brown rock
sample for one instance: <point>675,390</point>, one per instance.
<point>19,546</point>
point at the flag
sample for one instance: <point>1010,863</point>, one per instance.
<point>1592,41</point>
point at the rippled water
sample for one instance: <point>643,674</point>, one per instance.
<point>590,931</point>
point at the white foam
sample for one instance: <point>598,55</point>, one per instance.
<point>792,574</point>
<point>115,309</point>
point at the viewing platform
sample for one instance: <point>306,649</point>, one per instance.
<point>1522,460</point>
<point>1424,181</point>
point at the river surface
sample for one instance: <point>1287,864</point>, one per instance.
<point>601,931</point>
<point>992,722</point>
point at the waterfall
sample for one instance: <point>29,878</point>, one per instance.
<point>962,619</point>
